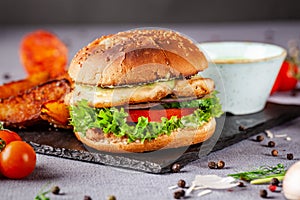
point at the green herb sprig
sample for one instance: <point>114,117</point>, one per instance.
<point>261,175</point>
<point>42,194</point>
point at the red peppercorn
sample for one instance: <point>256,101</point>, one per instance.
<point>272,188</point>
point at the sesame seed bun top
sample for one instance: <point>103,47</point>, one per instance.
<point>136,57</point>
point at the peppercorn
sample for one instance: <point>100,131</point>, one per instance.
<point>112,197</point>
<point>176,167</point>
<point>86,197</point>
<point>275,181</point>
<point>274,152</point>
<point>55,190</point>
<point>241,184</point>
<point>263,193</point>
<point>220,164</point>
<point>290,156</point>
<point>178,194</point>
<point>6,76</point>
<point>271,144</point>
<point>242,128</point>
<point>212,165</point>
<point>259,138</point>
<point>181,183</point>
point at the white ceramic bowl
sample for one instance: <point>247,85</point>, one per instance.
<point>244,73</point>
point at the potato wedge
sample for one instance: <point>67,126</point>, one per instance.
<point>57,113</point>
<point>24,109</point>
<point>16,87</point>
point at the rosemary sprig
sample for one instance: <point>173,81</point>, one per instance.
<point>263,172</point>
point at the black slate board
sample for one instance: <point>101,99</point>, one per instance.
<point>230,130</point>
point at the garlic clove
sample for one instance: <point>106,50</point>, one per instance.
<point>291,186</point>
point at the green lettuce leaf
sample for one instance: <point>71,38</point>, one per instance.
<point>113,120</point>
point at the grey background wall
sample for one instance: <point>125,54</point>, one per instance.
<point>145,11</point>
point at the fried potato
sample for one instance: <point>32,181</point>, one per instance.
<point>41,51</point>
<point>24,109</point>
<point>57,113</point>
<point>16,87</point>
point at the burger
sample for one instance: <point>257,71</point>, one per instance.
<point>141,90</point>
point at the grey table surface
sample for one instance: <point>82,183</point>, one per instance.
<point>77,179</point>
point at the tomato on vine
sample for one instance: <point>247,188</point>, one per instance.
<point>8,136</point>
<point>17,158</point>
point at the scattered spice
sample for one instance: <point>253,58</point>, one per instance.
<point>290,156</point>
<point>241,184</point>
<point>220,164</point>
<point>259,138</point>
<point>212,165</point>
<point>274,152</point>
<point>176,167</point>
<point>275,181</point>
<point>242,128</point>
<point>6,76</point>
<point>272,188</point>
<point>112,197</point>
<point>173,187</point>
<point>269,134</point>
<point>181,183</point>
<point>271,144</point>
<point>178,194</point>
<point>55,190</point>
<point>86,197</point>
<point>204,192</point>
<point>280,135</point>
<point>263,193</point>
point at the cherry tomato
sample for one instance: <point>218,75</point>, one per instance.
<point>286,79</point>
<point>156,115</point>
<point>43,51</point>
<point>9,136</point>
<point>276,85</point>
<point>17,160</point>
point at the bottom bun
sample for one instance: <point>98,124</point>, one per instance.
<point>178,138</point>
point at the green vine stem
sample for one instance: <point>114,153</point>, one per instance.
<point>1,126</point>
<point>2,144</point>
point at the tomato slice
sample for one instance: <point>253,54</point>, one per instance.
<point>156,114</point>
